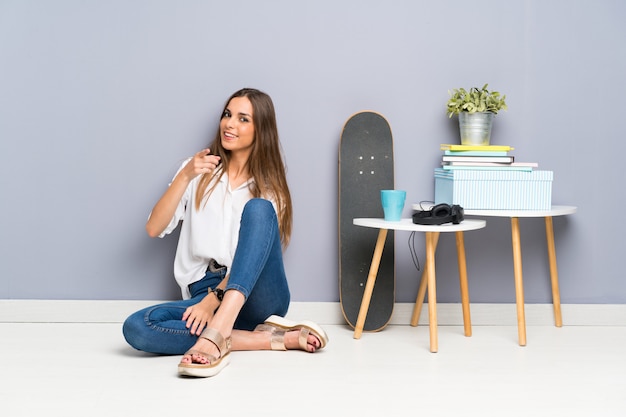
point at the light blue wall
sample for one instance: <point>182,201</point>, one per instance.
<point>101,100</point>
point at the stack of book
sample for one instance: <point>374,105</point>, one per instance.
<point>487,177</point>
<point>482,157</point>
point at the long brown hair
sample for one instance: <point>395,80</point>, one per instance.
<point>266,163</point>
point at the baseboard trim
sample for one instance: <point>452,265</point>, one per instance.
<point>448,314</point>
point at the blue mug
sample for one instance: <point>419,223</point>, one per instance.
<point>393,204</point>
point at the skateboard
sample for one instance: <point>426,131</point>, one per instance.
<point>365,168</point>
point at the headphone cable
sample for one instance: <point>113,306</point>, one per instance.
<point>413,252</point>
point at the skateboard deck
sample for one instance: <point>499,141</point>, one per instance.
<point>365,168</point>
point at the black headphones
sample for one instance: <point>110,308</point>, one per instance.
<point>439,214</point>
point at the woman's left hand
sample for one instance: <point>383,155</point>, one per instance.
<point>198,315</point>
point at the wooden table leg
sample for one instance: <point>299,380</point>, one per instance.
<point>554,275</point>
<point>519,280</point>
<point>369,285</point>
<point>432,290</point>
<point>460,251</point>
<point>421,292</point>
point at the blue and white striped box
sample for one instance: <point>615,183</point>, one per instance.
<point>494,189</point>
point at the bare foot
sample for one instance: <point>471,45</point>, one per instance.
<point>292,342</point>
<point>300,339</point>
<point>204,351</point>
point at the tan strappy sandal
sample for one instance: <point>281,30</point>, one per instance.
<point>278,326</point>
<point>277,338</point>
<point>215,365</point>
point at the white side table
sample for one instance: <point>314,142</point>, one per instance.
<point>517,257</point>
<point>432,237</point>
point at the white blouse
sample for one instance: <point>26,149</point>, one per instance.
<point>211,232</point>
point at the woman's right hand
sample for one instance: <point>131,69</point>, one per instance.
<point>160,216</point>
<point>202,162</point>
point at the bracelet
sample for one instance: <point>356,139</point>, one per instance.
<point>219,293</point>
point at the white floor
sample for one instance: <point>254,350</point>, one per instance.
<point>80,369</point>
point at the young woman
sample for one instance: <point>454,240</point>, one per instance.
<point>235,207</point>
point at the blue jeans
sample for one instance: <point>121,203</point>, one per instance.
<point>257,272</point>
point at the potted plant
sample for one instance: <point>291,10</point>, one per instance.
<point>475,108</point>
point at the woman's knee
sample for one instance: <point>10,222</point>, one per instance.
<point>259,209</point>
<point>133,330</point>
